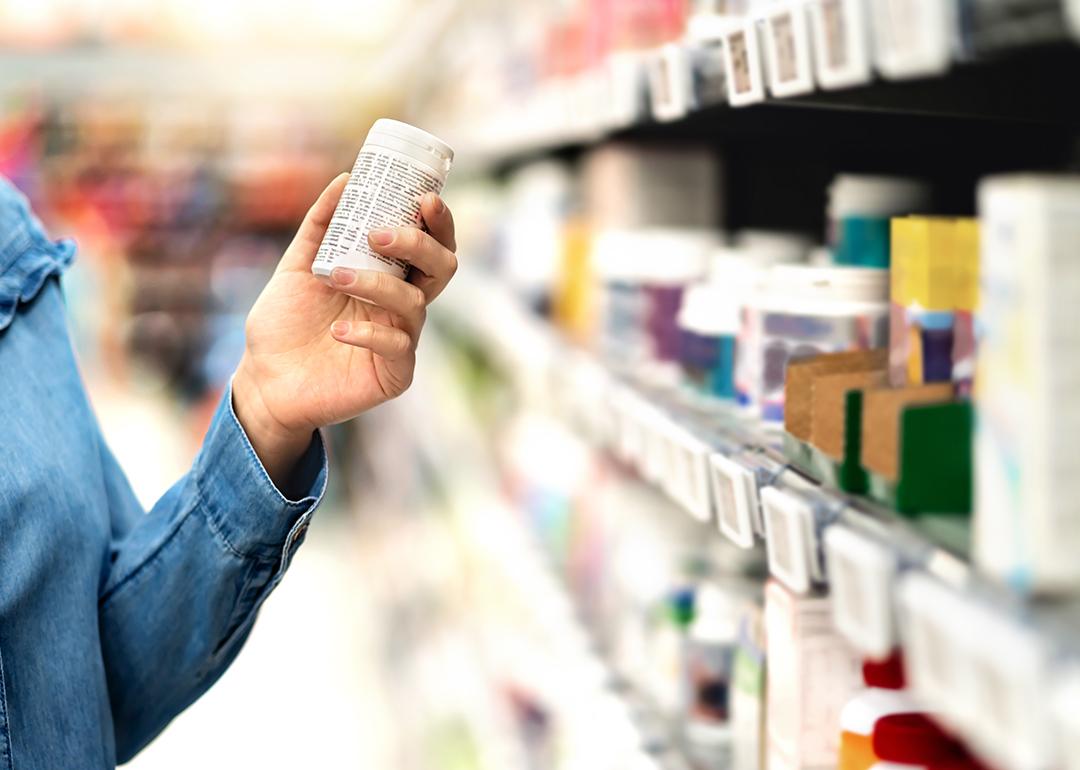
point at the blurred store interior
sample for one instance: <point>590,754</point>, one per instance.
<point>743,437</point>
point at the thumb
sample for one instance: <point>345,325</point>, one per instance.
<point>305,245</point>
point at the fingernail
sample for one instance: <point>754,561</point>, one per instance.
<point>381,237</point>
<point>437,202</point>
<point>342,276</point>
<point>340,328</point>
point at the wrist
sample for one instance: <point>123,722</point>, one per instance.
<point>277,445</point>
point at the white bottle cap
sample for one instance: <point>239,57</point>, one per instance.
<point>856,284</point>
<point>876,196</point>
<point>709,310</point>
<point>676,256</point>
<point>413,141</point>
<point>716,616</point>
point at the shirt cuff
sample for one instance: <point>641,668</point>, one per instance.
<point>245,508</point>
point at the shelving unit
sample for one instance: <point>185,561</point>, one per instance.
<point>922,564</point>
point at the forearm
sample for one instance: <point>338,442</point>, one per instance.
<point>277,446</point>
<point>187,579</point>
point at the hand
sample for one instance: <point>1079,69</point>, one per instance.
<point>316,354</point>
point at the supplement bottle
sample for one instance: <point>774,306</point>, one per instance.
<point>396,167</point>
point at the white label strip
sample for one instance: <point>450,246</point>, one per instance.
<point>742,55</point>
<point>786,535</point>
<point>733,501</point>
<point>841,34</point>
<point>787,49</point>
<point>861,575</point>
<point>913,38</point>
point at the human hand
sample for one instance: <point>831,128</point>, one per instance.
<point>320,354</point>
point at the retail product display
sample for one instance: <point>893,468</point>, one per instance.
<point>711,314</point>
<point>934,295</point>
<point>801,311</point>
<point>742,437</point>
<point>396,167</point>
<point>859,211</point>
<point>812,673</point>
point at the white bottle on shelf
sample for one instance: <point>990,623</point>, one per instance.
<point>1027,474</point>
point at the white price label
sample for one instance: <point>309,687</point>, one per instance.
<point>1011,678</point>
<point>841,34</point>
<point>790,539</point>
<point>933,626</point>
<point>913,37</point>
<point>735,491</point>
<point>626,79</point>
<point>656,462</point>
<point>787,49</point>
<point>742,57</point>
<point>694,491</point>
<point>671,85</point>
<point>861,573</point>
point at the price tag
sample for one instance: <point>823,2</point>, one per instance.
<point>1010,681</point>
<point>656,430</point>
<point>913,38</point>
<point>742,57</point>
<point>841,34</point>
<point>787,49</point>
<point>735,491</point>
<point>626,81</point>
<point>861,574</point>
<point>790,538</point>
<point>692,489</point>
<point>671,84</point>
<point>933,622</point>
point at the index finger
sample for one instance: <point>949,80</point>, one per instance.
<point>305,244</point>
<point>439,220</point>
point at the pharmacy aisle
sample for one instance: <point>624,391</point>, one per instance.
<point>742,438</point>
<point>781,299</point>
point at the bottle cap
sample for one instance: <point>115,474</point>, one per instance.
<point>914,739</point>
<point>887,674</point>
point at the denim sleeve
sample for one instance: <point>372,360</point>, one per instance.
<point>187,579</point>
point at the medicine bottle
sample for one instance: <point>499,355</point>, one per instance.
<point>396,167</point>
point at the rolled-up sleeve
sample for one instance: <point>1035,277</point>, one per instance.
<point>186,580</point>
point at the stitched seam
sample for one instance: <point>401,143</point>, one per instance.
<point>211,523</point>
<point>108,595</point>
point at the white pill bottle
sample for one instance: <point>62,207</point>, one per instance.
<point>396,167</point>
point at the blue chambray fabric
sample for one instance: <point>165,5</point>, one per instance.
<point>114,619</point>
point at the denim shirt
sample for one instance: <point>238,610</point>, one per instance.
<point>112,619</point>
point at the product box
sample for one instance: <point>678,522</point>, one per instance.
<point>748,693</point>
<point>812,674</point>
<point>1027,498</point>
<point>933,291</point>
<point>823,414</point>
<point>917,446</point>
<point>798,386</point>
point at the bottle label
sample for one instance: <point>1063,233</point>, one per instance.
<point>385,190</point>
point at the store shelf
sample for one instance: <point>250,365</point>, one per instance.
<point>917,574</point>
<point>1016,95</point>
